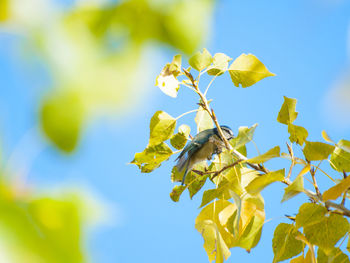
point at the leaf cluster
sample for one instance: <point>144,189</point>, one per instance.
<point>232,209</point>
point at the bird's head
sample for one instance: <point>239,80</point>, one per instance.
<point>227,132</point>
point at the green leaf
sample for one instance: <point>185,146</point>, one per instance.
<point>284,244</point>
<point>162,127</point>
<point>176,192</point>
<point>203,120</point>
<point>167,79</point>
<point>340,158</point>
<point>317,151</point>
<point>334,227</point>
<point>197,184</point>
<point>176,176</point>
<point>209,195</point>
<point>220,64</point>
<point>248,70</point>
<point>337,190</point>
<point>179,140</point>
<point>214,231</point>
<point>272,153</point>
<point>199,181</point>
<point>244,136</point>
<point>296,187</point>
<point>200,61</point>
<point>287,114</point>
<point>251,217</point>
<point>152,157</point>
<point>310,214</point>
<point>333,256</point>
<point>298,134</point>
<point>259,183</point>
<point>61,120</point>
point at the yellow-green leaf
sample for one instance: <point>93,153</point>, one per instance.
<point>284,243</point>
<point>310,214</point>
<point>326,137</point>
<point>220,64</point>
<point>333,256</point>
<point>337,190</point>
<point>176,192</point>
<point>152,157</point>
<point>200,61</point>
<point>272,153</point>
<point>162,127</point>
<point>4,10</point>
<point>298,134</point>
<point>167,79</point>
<point>340,158</point>
<point>294,188</point>
<point>244,136</point>
<point>179,140</point>
<point>260,182</point>
<point>287,113</point>
<point>317,151</point>
<point>247,70</point>
<point>197,184</point>
<point>61,120</point>
<point>333,227</point>
<point>213,229</point>
<point>203,120</point>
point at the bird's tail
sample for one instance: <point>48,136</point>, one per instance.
<point>183,179</point>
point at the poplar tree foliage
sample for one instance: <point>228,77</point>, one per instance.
<point>232,211</point>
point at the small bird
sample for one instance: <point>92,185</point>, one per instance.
<point>203,146</point>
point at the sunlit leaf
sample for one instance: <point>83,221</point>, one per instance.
<point>220,64</point>
<point>337,190</point>
<point>334,227</point>
<point>201,60</point>
<point>333,256</point>
<point>298,134</point>
<point>326,137</point>
<point>299,259</point>
<point>296,187</point>
<point>216,236</point>
<point>210,195</point>
<point>176,192</point>
<point>250,222</point>
<point>244,136</point>
<point>259,183</point>
<point>247,70</point>
<point>310,214</point>
<point>287,113</point>
<point>61,120</point>
<point>340,158</point>
<point>179,140</point>
<point>272,153</point>
<point>317,151</point>
<point>162,127</point>
<point>203,120</point>
<point>284,244</point>
<point>167,79</point>
<point>176,176</point>
<point>197,184</point>
<point>152,157</point>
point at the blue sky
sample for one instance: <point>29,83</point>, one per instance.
<point>303,41</point>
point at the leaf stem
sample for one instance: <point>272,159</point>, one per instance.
<point>183,114</point>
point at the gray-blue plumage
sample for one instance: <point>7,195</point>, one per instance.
<point>203,146</point>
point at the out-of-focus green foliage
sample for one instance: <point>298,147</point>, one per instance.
<point>95,50</point>
<point>40,229</point>
<point>232,212</point>
<point>4,10</point>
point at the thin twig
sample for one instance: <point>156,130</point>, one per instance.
<point>344,195</point>
<point>211,82</point>
<point>290,150</point>
<point>341,208</point>
<point>216,173</point>
<point>312,172</point>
